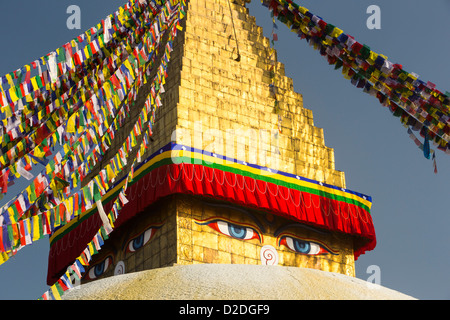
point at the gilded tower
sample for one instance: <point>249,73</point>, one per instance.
<point>235,172</point>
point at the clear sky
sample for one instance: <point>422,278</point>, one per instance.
<point>371,146</point>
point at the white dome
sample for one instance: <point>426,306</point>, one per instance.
<point>232,282</point>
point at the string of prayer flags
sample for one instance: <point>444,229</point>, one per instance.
<point>74,118</point>
<point>94,246</point>
<point>416,102</point>
<point>63,284</point>
<point>86,197</point>
<point>121,18</point>
<point>49,94</point>
<point>35,150</point>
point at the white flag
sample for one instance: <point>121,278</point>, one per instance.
<point>53,67</point>
<point>107,36</point>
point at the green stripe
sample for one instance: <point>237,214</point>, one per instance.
<point>189,160</point>
<point>276,181</point>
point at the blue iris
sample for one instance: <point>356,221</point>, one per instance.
<point>302,246</point>
<point>99,269</point>
<point>236,231</point>
<point>138,242</point>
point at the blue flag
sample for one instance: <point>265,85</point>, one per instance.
<point>426,147</point>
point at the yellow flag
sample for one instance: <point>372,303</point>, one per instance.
<point>74,179</point>
<point>130,68</point>
<point>12,94</point>
<point>11,215</point>
<point>7,111</point>
<point>3,257</point>
<point>71,124</point>
<point>91,249</point>
<point>36,233</point>
<point>70,206</point>
<point>3,160</point>
<point>110,172</point>
<point>20,146</point>
<point>118,162</point>
<point>66,148</point>
<point>107,89</point>
<point>41,114</point>
<point>55,292</point>
<point>336,32</point>
<point>34,83</point>
<point>28,98</point>
<point>55,117</point>
<point>39,152</point>
<point>10,80</point>
<point>86,52</point>
<point>372,57</point>
<point>116,100</point>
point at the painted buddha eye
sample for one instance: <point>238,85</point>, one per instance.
<point>236,231</point>
<point>302,246</point>
<point>99,269</point>
<point>141,240</point>
<point>233,229</point>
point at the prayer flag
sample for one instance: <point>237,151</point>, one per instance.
<point>426,147</point>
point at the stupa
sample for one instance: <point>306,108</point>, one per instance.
<point>236,173</point>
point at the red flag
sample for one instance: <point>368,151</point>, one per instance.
<point>91,45</point>
<point>63,285</point>
<point>22,233</point>
<point>2,249</point>
<point>4,181</point>
<point>115,81</point>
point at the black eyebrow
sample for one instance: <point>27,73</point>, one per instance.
<point>248,213</point>
<point>131,236</point>
<point>298,225</point>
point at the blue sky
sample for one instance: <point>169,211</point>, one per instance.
<point>371,146</point>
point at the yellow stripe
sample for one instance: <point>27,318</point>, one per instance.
<point>257,171</point>
<point>195,155</point>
